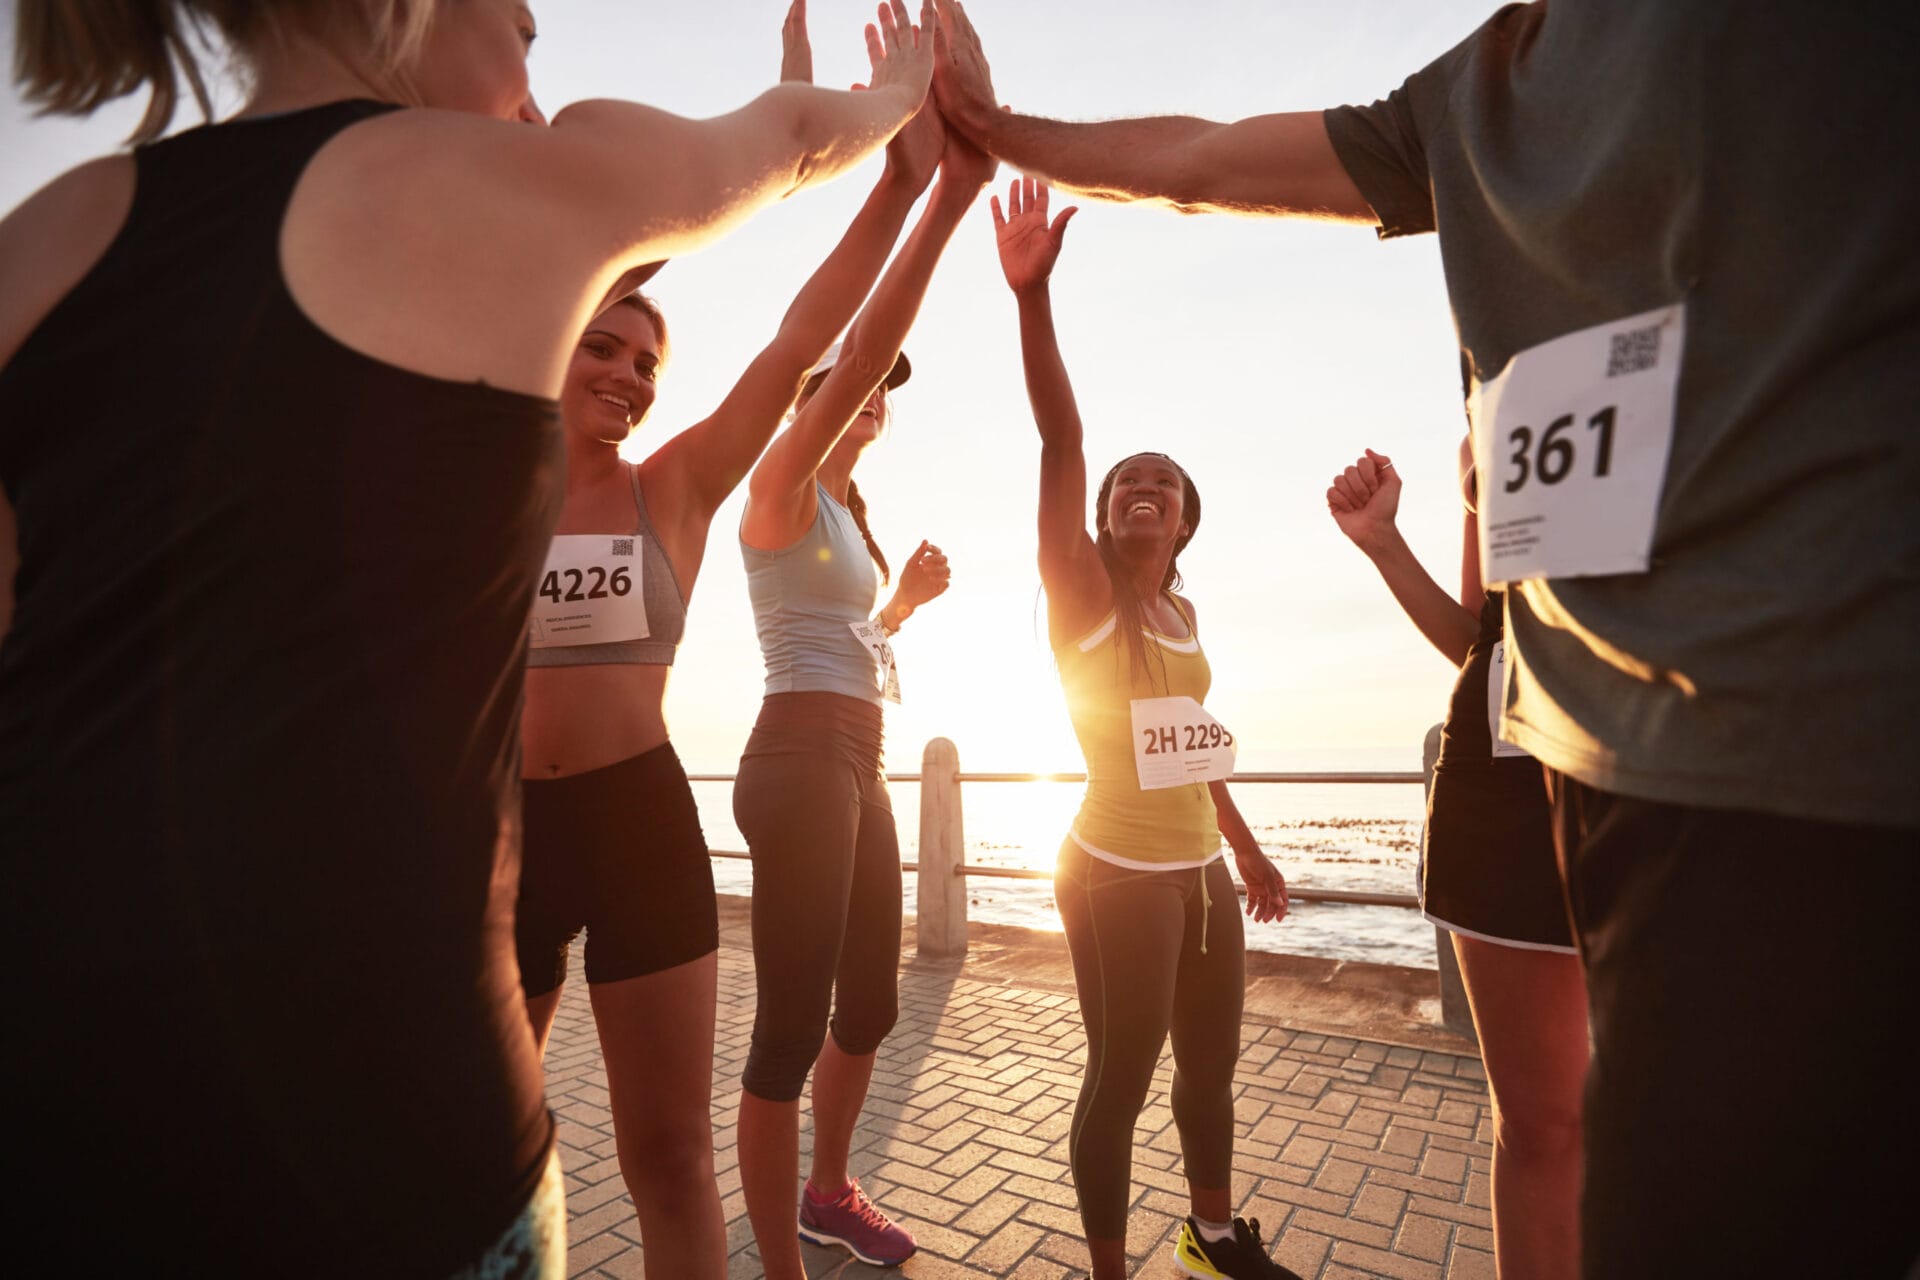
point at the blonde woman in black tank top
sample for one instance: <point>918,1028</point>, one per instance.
<point>260,684</point>
<point>613,841</point>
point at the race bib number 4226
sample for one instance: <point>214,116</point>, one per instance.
<point>1570,444</point>
<point>1176,742</point>
<point>589,593</point>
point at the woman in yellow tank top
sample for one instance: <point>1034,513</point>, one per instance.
<point>1142,887</point>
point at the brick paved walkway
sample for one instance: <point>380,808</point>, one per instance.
<point>1361,1158</point>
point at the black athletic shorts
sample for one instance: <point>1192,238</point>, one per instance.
<point>1487,868</point>
<point>618,852</point>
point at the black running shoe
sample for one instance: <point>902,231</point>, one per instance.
<point>1242,1258</point>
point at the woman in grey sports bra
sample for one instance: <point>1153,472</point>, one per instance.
<point>612,837</point>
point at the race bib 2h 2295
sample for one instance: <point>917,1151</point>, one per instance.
<point>1176,742</point>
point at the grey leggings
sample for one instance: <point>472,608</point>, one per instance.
<point>812,802</point>
<point>1136,940</point>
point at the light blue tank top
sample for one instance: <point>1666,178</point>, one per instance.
<point>805,598</point>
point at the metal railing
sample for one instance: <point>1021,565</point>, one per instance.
<point>941,867</point>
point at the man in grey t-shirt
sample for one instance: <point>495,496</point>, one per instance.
<point>1678,247</point>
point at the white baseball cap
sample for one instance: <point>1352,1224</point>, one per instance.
<point>902,368</point>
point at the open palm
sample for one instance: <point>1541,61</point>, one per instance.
<point>1028,245</point>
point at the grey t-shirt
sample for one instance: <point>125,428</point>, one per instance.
<point>1595,160</point>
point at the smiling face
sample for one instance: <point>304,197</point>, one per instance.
<point>1145,502</point>
<point>475,58</point>
<point>611,379</point>
<point>871,422</point>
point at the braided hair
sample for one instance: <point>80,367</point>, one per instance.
<point>857,508</point>
<point>856,505</point>
<point>1129,609</point>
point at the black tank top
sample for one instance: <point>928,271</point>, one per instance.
<point>259,711</point>
<point>1466,738</point>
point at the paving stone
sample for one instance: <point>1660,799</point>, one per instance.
<point>1382,1263</point>
<point>1469,1264</point>
<point>1343,1229</point>
<point>1379,1204</point>
<point>1423,1237</point>
<point>1445,1166</point>
<point>1340,1177</point>
<point>1360,1159</point>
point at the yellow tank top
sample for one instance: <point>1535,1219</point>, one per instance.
<point>1118,822</point>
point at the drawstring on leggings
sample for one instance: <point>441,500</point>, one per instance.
<point>1206,906</point>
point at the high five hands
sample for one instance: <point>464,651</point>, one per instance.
<point>1028,245</point>
<point>924,143</point>
<point>796,51</point>
<point>900,52</point>
<point>962,81</point>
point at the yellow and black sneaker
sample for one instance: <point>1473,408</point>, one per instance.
<point>1242,1258</point>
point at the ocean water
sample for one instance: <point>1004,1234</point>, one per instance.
<point>1363,837</point>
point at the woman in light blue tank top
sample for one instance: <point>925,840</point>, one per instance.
<point>810,796</point>
<point>612,835</point>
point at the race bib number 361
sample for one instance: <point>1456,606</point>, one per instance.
<point>589,593</point>
<point>1176,742</point>
<point>1570,443</point>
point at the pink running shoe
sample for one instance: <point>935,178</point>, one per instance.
<point>856,1223</point>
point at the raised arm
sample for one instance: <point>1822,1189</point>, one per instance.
<point>521,231</point>
<point>1078,592</point>
<point>662,189</point>
<point>780,501</point>
<point>709,459</point>
<point>1273,165</point>
<point>1364,500</point>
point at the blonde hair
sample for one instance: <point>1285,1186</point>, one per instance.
<point>70,57</point>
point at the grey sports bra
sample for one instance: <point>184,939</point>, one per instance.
<point>666,608</point>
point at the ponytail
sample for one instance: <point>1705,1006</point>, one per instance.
<point>72,56</point>
<point>857,508</point>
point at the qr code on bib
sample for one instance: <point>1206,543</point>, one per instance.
<point>1634,351</point>
<point>623,546</point>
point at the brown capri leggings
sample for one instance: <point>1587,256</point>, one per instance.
<point>1136,939</point>
<point>812,802</point>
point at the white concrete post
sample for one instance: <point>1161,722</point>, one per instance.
<point>1455,1014</point>
<point>942,897</point>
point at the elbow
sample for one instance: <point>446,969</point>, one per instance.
<point>862,361</point>
<point>795,108</point>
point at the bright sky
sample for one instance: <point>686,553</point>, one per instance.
<point>1262,355</point>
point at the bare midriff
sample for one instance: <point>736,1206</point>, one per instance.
<point>582,718</point>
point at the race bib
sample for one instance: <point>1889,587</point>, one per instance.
<point>874,636</point>
<point>589,592</point>
<point>1571,444</point>
<point>1497,701</point>
<point>1176,742</point>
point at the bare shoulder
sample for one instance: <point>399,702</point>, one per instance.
<point>410,220</point>
<point>414,217</point>
<point>50,242</point>
<point>1186,607</point>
